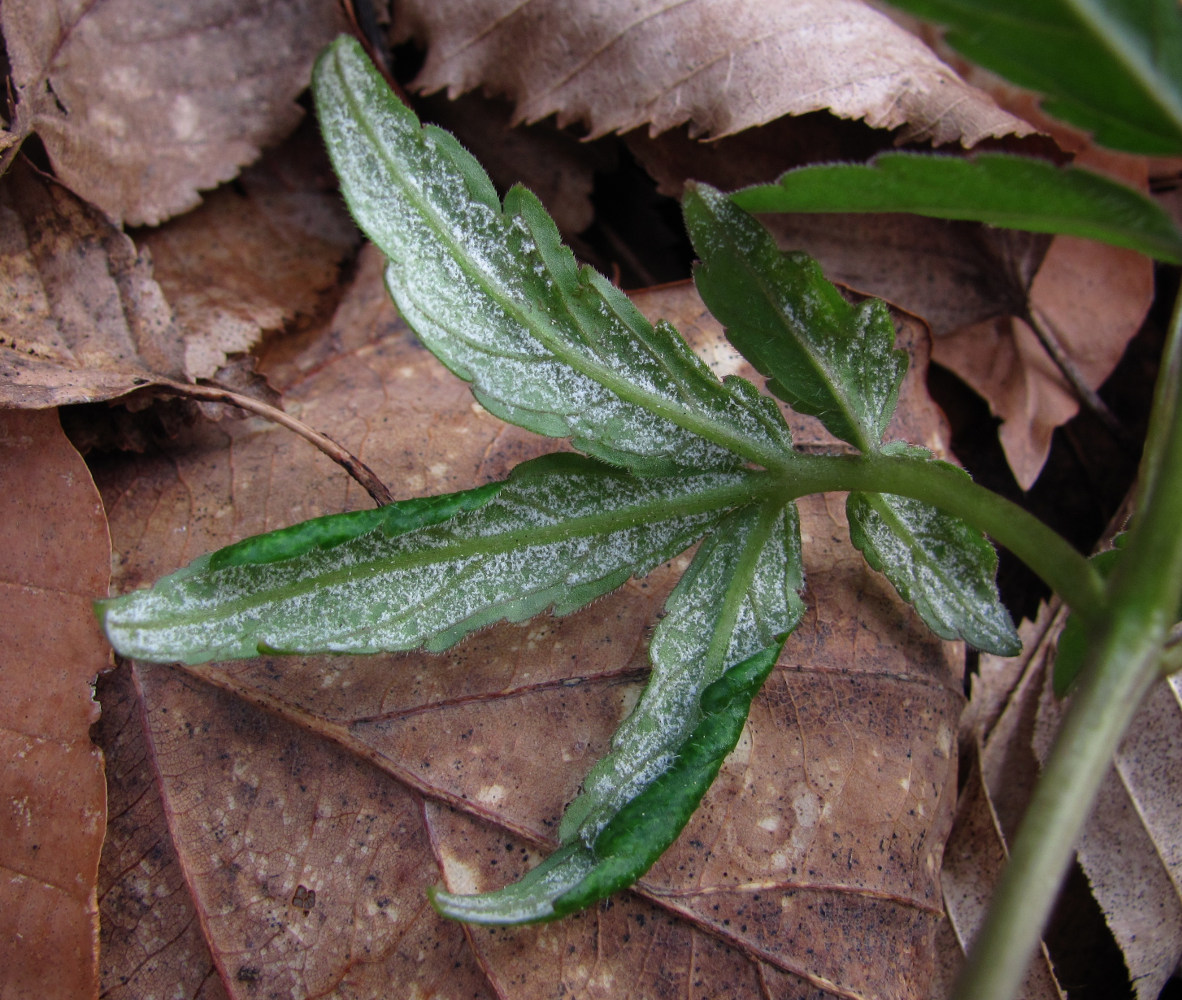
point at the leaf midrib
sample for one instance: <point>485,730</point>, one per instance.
<point>720,433</point>
<point>655,511</point>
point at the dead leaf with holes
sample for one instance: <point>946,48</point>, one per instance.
<point>617,66</point>
<point>141,106</point>
<point>54,557</point>
<point>295,810</point>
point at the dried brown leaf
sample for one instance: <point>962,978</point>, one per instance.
<point>141,106</point>
<point>617,66</point>
<point>91,316</point>
<point>83,319</point>
<point>363,780</point>
<point>1131,848</point>
<point>973,860</point>
<point>255,255</point>
<point>54,559</point>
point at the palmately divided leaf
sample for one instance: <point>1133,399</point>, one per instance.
<point>1016,192</point>
<point>822,355</point>
<point>1112,67</point>
<point>937,563</point>
<point>726,623</point>
<point>561,531</point>
<point>493,293</point>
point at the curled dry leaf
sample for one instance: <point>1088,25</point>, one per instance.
<point>84,319</point>
<point>255,255</point>
<point>54,557</point>
<point>311,801</point>
<point>140,106</point>
<point>91,316</point>
<point>617,66</point>
<point>1089,300</point>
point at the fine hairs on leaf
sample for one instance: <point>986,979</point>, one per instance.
<point>673,457</point>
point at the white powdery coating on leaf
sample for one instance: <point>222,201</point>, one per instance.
<point>427,586</point>
<point>938,563</point>
<point>496,297</point>
<point>648,740</point>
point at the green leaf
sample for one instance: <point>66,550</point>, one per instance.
<point>727,620</point>
<point>1112,67</point>
<point>576,876</point>
<point>561,531</point>
<point>494,294</point>
<point>821,355</point>
<point>1002,190</point>
<point>937,563</point>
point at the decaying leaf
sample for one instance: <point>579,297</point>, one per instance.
<point>141,106</point>
<point>91,316</point>
<point>1091,299</point>
<point>255,255</point>
<point>54,557</point>
<point>311,801</point>
<point>615,67</point>
<point>973,860</point>
<point>1131,849</point>
<point>83,318</point>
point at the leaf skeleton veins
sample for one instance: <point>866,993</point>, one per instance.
<point>672,457</point>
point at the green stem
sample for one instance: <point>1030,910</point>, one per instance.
<point>1046,552</point>
<point>1126,659</point>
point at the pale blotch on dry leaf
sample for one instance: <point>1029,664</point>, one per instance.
<point>54,559</point>
<point>142,105</point>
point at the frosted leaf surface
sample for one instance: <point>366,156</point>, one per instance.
<point>823,356</point>
<point>727,619</point>
<point>736,598</point>
<point>559,532</point>
<point>493,293</point>
<point>939,564</point>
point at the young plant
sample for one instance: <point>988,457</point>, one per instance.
<point>672,456</point>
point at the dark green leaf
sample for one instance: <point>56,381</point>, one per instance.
<point>726,621</point>
<point>561,531</point>
<point>821,355</point>
<point>1011,191</point>
<point>939,564</point>
<point>494,294</point>
<point>1112,67</point>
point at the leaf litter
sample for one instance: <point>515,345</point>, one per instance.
<point>495,736</point>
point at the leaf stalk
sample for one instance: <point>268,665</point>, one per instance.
<point>1045,551</point>
<point>1126,659</point>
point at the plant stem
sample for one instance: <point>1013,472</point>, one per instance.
<point>1144,595</point>
<point>1046,552</point>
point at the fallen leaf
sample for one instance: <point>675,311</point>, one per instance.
<point>54,557</point>
<point>1091,299</point>
<point>615,67</point>
<point>973,861</point>
<point>311,801</point>
<point>140,107</point>
<point>84,319</point>
<point>1131,850</point>
<point>255,255</point>
<point>92,316</point>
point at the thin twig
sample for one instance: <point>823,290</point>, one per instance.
<point>356,468</point>
<point>1048,336</point>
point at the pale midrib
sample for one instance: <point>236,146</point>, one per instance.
<point>831,380</point>
<point>902,529</point>
<point>658,510</point>
<point>720,433</point>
